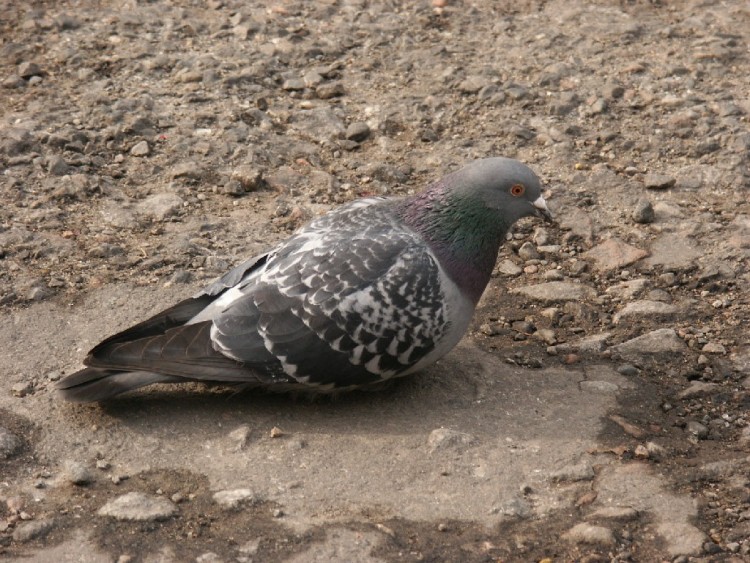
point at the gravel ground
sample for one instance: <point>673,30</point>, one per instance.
<point>147,146</point>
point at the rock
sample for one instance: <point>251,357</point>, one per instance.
<point>682,538</point>
<point>660,343</point>
<point>644,212</point>
<point>320,124</point>
<point>672,252</point>
<point>140,149</point>
<point>28,69</point>
<point>35,529</point>
<point>357,131</point>
<point>441,438</point>
<point>77,473</point>
<point>139,507</point>
<point>57,166</point>
<point>248,177</point>
<point>613,254</point>
<point>590,534</point>
<point>645,309</point>
<point>714,348</point>
<point>528,251</point>
<point>235,497</point>
<point>160,206</point>
<point>628,370</point>
<point>698,389</point>
<point>330,90</point>
<point>615,513</point>
<point>9,443</point>
<point>601,387</point>
<point>509,268</point>
<point>554,292</point>
<point>627,290</point>
<point>189,170</point>
<point>23,388</point>
<point>571,473</point>
<point>697,429</point>
<point>658,181</point>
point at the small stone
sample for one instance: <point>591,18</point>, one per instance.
<point>658,181</point>
<point>188,170</point>
<point>509,268</point>
<point>644,212</point>
<point>330,90</point>
<point>645,309</point>
<point>442,438</point>
<point>293,84</point>
<point>528,251</point>
<point>641,452</point>
<point>276,432</point>
<point>102,464</point>
<point>139,507</point>
<point>614,254</point>
<point>140,149</point>
<point>235,497</point>
<point>697,429</point>
<point>571,473</point>
<point>662,342</point>
<point>602,387</point>
<point>160,206</point>
<point>714,348</point>
<point>655,451</point>
<point>357,131</point>
<point>248,177</point>
<point>77,473</point>
<point>590,534</point>
<point>628,370</point>
<point>21,389</point>
<point>57,166</point>
<point>28,69</point>
<point>698,389</point>
<point>9,443</point>
<point>34,529</point>
<point>616,513</point>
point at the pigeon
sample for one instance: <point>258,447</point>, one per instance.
<point>376,289</point>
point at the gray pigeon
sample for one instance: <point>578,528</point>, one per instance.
<point>379,288</point>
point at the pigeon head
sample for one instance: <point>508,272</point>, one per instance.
<point>465,216</point>
<point>503,185</point>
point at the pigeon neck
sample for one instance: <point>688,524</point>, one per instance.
<point>462,232</point>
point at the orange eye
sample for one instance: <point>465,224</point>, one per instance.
<point>518,189</point>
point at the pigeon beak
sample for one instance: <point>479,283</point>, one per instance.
<point>542,210</point>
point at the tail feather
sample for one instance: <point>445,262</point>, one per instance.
<point>96,384</point>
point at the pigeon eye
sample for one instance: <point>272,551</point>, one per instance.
<point>517,189</point>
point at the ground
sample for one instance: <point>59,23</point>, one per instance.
<point>596,411</point>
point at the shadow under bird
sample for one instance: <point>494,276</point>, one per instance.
<point>376,289</point>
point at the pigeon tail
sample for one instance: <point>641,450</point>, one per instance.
<point>95,384</point>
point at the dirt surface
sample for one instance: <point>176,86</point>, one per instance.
<point>597,410</point>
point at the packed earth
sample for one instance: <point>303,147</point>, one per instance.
<point>599,408</point>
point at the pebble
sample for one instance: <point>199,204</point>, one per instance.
<point>235,497</point>
<point>528,251</point>
<point>160,206</point>
<point>660,343</point>
<point>357,131</point>
<point>628,370</point>
<point>658,181</point>
<point>697,429</point>
<point>698,389</point>
<point>645,309</point>
<point>615,513</point>
<point>57,166</point>
<point>445,438</point>
<point>249,177</point>
<point>23,388</point>
<point>590,534</point>
<point>28,69</point>
<point>714,348</point>
<point>614,254</point>
<point>9,443</point>
<point>77,473</point>
<point>139,507</point>
<point>330,90</point>
<point>583,471</point>
<point>509,268</point>
<point>644,212</point>
<point>140,149</point>
<point>554,292</point>
<point>34,529</point>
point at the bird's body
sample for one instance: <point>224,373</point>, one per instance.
<point>376,289</point>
